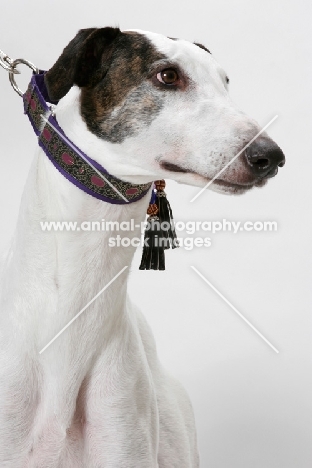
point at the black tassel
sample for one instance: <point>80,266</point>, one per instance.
<point>153,257</point>
<point>165,216</point>
<point>160,233</point>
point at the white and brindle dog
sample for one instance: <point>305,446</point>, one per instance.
<point>145,107</point>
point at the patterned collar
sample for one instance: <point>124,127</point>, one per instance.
<point>75,165</point>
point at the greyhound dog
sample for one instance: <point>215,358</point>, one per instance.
<point>145,107</point>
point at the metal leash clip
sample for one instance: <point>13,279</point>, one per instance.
<point>10,66</point>
<point>6,63</point>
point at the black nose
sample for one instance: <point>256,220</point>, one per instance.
<point>264,157</point>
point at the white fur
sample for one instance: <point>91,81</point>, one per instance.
<point>98,396</point>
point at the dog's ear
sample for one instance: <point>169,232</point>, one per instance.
<point>83,62</point>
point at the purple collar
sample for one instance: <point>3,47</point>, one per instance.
<point>75,165</point>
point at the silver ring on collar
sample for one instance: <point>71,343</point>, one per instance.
<point>13,64</point>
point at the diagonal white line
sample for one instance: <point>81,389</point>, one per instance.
<point>83,157</point>
<point>82,310</point>
<point>235,310</point>
<point>232,160</point>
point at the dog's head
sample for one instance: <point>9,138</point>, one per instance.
<point>160,108</point>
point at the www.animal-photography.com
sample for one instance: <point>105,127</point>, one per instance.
<point>155,267</point>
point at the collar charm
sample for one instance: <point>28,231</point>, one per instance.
<point>159,234</point>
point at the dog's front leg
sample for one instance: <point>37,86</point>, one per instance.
<point>121,411</point>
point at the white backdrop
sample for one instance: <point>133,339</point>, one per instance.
<point>253,406</point>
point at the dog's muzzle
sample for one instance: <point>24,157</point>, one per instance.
<point>264,157</point>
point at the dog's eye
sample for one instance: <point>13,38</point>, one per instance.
<point>168,76</point>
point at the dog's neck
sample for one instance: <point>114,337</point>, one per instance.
<point>76,264</point>
<point>55,275</point>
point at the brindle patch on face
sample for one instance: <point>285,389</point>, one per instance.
<point>124,101</point>
<point>138,110</point>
